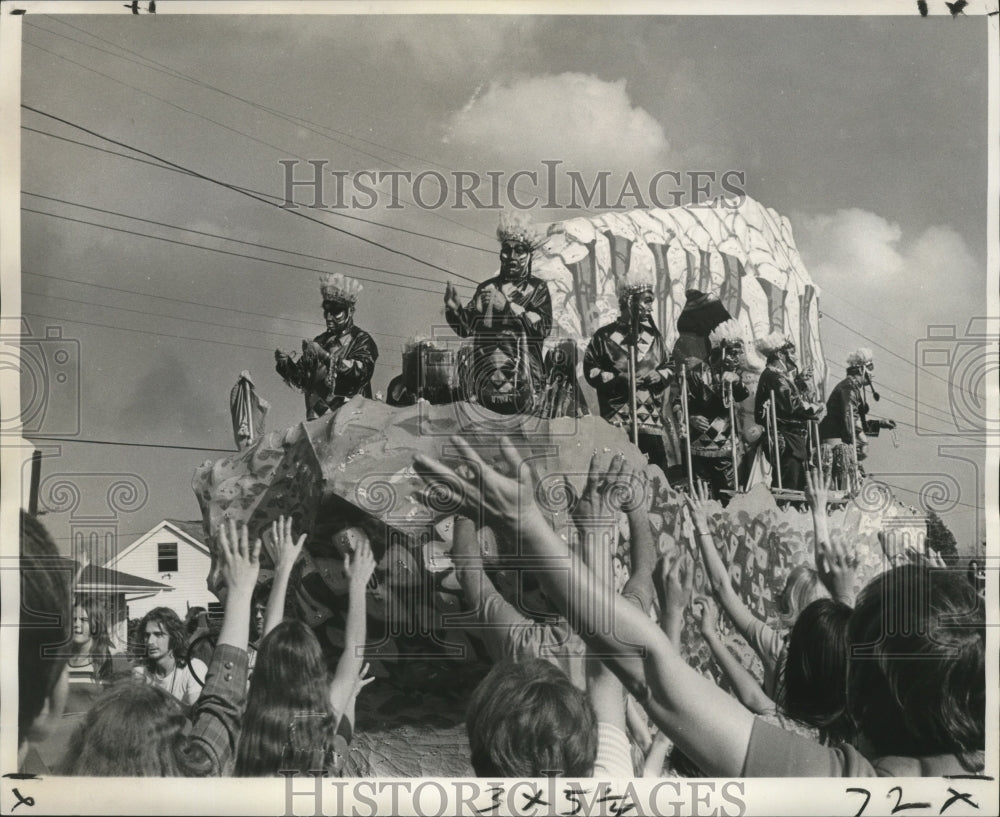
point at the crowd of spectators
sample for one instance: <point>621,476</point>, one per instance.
<point>590,682</point>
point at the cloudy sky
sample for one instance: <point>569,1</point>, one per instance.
<point>868,133</point>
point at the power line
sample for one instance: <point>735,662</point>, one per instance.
<point>185,302</point>
<point>218,250</point>
<point>238,240</point>
<point>147,313</point>
<point>259,192</point>
<point>918,493</point>
<point>161,334</point>
<point>130,444</point>
<point>943,414</point>
<point>324,130</point>
<point>222,124</point>
<point>235,189</point>
<point>897,355</point>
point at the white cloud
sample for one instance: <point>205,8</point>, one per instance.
<point>582,120</point>
<point>856,249</point>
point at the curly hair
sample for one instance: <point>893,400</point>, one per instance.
<point>812,681</point>
<point>916,671</point>
<point>173,627</point>
<point>134,730</point>
<point>527,719</point>
<point>289,722</point>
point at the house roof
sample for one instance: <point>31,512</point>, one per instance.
<point>96,578</point>
<point>192,528</point>
<point>189,532</point>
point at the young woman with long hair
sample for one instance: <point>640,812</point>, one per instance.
<point>137,729</point>
<point>295,709</point>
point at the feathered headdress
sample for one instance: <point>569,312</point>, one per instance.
<point>860,358</point>
<point>516,226</point>
<point>339,288</point>
<point>635,280</point>
<point>728,333</point>
<point>775,342</point>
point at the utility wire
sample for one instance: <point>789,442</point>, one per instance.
<point>897,355</point>
<point>130,444</point>
<point>312,323</point>
<point>235,189</point>
<point>252,138</point>
<point>218,250</point>
<point>882,385</point>
<point>238,240</point>
<point>244,189</point>
<point>159,334</point>
<point>324,130</point>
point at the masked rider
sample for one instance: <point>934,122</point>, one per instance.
<point>846,420</point>
<point>792,408</point>
<point>508,319</point>
<point>710,385</point>
<point>337,364</point>
<point>606,367</point>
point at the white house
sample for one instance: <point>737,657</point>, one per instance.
<point>173,554</point>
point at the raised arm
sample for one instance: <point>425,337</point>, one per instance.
<point>712,727</point>
<point>359,567</point>
<point>718,574</point>
<point>750,693</point>
<point>836,566</point>
<point>210,745</point>
<point>284,551</point>
<point>239,566</point>
<point>676,586</point>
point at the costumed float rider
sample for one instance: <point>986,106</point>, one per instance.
<point>847,420</point>
<point>793,409</point>
<point>508,319</point>
<point>338,364</point>
<point>710,424</point>
<point>606,367</point>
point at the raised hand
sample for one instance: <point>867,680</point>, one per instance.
<point>283,549</point>
<point>479,491</point>
<point>619,487</point>
<point>817,489</point>
<point>466,552</point>
<point>707,614</point>
<point>360,565</point>
<point>238,562</point>
<point>697,505</point>
<point>837,568</point>
<point>363,680</point>
<point>677,580</point>
<point>451,301</point>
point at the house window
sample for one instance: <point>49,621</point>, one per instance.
<point>166,557</point>
<point>215,611</point>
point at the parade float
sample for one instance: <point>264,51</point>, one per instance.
<point>349,473</point>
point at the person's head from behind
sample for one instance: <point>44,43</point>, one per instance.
<point>288,720</point>
<point>802,588</point>
<point>527,719</point>
<point>133,730</point>
<point>164,638</point>
<point>45,631</point>
<point>916,673</point>
<point>813,688</point>
<point>194,619</point>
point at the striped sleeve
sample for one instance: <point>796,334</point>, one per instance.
<point>614,755</point>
